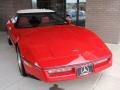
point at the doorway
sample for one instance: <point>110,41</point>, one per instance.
<point>57,5</point>
<point>76,10</point>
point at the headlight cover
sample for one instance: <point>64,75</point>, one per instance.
<point>101,61</point>
<point>59,70</point>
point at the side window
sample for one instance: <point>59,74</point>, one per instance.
<point>14,19</point>
<point>23,21</point>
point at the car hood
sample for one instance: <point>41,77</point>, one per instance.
<point>62,45</point>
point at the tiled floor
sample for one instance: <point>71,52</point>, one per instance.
<point>10,78</point>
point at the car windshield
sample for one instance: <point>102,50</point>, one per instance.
<point>41,19</point>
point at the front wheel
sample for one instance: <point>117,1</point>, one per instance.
<point>9,42</point>
<point>20,63</point>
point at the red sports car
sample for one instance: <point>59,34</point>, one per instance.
<point>51,49</point>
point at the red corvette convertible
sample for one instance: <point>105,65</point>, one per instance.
<point>51,49</point>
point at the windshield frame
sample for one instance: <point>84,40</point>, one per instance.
<point>22,14</point>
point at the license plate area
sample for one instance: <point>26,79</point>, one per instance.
<point>85,70</point>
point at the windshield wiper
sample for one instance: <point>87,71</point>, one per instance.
<point>61,23</point>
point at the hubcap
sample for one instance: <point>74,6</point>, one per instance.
<point>19,61</point>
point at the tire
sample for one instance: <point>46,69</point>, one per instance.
<point>9,42</point>
<point>20,64</point>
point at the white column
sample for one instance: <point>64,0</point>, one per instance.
<point>34,4</point>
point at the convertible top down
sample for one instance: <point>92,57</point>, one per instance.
<point>51,49</point>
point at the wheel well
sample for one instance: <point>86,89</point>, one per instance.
<point>16,46</point>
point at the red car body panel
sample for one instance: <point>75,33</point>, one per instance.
<point>57,46</point>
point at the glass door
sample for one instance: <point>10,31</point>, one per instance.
<point>57,5</point>
<point>75,10</point>
<point>44,4</point>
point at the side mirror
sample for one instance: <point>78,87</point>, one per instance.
<point>69,20</point>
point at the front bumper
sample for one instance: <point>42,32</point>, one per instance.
<point>43,74</point>
<point>73,74</point>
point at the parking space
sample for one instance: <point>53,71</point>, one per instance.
<point>10,78</point>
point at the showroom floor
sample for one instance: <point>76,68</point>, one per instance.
<point>11,79</point>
